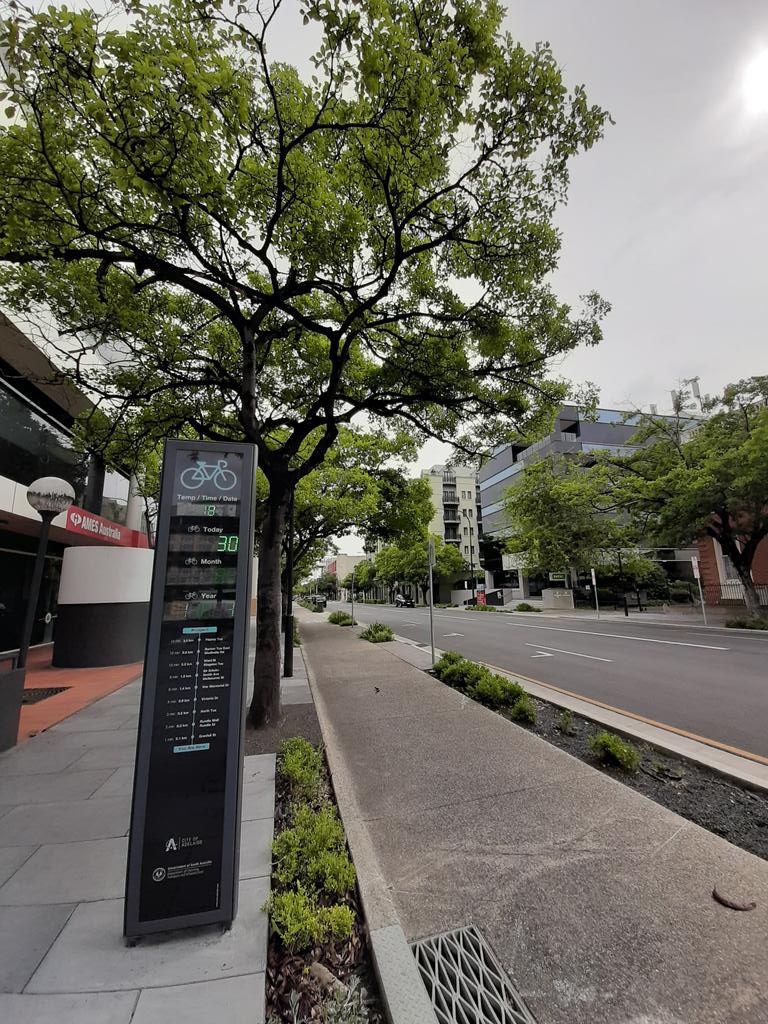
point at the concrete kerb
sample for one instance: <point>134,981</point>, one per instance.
<point>749,772</point>
<point>404,995</point>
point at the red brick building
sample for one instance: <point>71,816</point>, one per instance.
<point>719,579</point>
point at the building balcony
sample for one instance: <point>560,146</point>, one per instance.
<point>449,517</point>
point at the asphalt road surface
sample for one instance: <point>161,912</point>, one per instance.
<point>711,682</point>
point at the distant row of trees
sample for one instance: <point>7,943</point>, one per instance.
<point>687,477</point>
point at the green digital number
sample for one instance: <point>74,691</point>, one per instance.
<point>210,510</point>
<point>228,542</point>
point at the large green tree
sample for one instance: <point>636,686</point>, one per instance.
<point>408,562</point>
<point>702,477</point>
<point>263,254</point>
<point>560,517</point>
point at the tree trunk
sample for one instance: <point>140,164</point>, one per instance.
<point>751,600</point>
<point>265,705</point>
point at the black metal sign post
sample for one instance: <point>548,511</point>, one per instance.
<point>185,820</point>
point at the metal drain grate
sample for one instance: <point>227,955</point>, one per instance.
<point>465,981</point>
<point>36,693</point>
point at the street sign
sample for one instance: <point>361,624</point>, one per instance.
<point>695,567</point>
<point>557,577</point>
<point>185,818</point>
<point>594,578</point>
<point>431,551</point>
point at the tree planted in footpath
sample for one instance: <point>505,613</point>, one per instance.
<point>234,249</point>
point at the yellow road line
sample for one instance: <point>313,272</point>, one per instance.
<point>631,714</point>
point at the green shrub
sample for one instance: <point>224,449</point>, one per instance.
<point>565,723</point>
<point>296,634</point>
<point>446,659</point>
<point>313,852</point>
<point>301,765</point>
<point>377,633</point>
<point>481,608</point>
<point>463,675</point>
<point>444,605</point>
<point>341,619</point>
<point>496,691</point>
<point>611,749</point>
<point>524,710</point>
<point>525,607</point>
<point>301,922</point>
<point>742,623</point>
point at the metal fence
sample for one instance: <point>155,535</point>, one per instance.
<point>732,593</point>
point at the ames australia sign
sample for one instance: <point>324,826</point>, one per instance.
<point>89,525</point>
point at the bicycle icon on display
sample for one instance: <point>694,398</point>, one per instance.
<point>215,473</point>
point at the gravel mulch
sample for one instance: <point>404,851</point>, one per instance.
<point>693,791</point>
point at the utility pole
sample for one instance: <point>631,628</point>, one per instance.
<point>352,591</point>
<point>594,585</point>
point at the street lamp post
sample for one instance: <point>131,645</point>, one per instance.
<point>48,496</point>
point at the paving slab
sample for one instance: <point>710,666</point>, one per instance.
<point>36,759</point>
<point>90,721</point>
<point>90,955</point>
<point>26,935</point>
<point>69,873</point>
<point>90,1008</point>
<point>120,783</point>
<point>256,848</point>
<point>66,821</point>
<point>88,740</point>
<point>597,901</point>
<point>123,756</point>
<point>11,859</point>
<point>236,1000</point>
<point>43,789</point>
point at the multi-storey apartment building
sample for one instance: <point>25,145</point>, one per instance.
<point>458,514</point>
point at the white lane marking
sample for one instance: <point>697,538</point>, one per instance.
<point>453,634</point>
<point>541,654</point>
<point>412,622</point>
<point>620,636</point>
<point>540,648</point>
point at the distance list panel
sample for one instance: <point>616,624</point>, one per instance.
<point>183,828</point>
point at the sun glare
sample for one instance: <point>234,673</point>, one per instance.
<point>755,84</point>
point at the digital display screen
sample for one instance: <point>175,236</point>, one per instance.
<point>181,857</point>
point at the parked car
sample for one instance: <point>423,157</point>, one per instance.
<point>401,601</point>
<point>319,599</point>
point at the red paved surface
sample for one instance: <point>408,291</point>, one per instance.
<point>85,686</point>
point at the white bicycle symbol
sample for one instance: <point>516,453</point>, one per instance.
<point>204,472</point>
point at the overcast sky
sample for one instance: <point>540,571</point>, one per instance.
<point>668,215</point>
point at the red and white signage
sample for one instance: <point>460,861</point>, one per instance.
<point>87,524</point>
<point>695,567</point>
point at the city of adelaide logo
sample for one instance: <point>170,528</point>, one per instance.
<point>170,845</point>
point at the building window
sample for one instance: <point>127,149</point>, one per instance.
<point>31,446</point>
<point>466,531</point>
<point>466,550</point>
<point>469,512</point>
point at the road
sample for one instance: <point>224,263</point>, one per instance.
<point>710,682</point>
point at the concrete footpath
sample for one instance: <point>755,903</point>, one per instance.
<point>597,901</point>
<point>64,816</point>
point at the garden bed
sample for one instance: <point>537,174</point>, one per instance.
<point>719,804</point>
<point>691,790</point>
<point>296,988</point>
